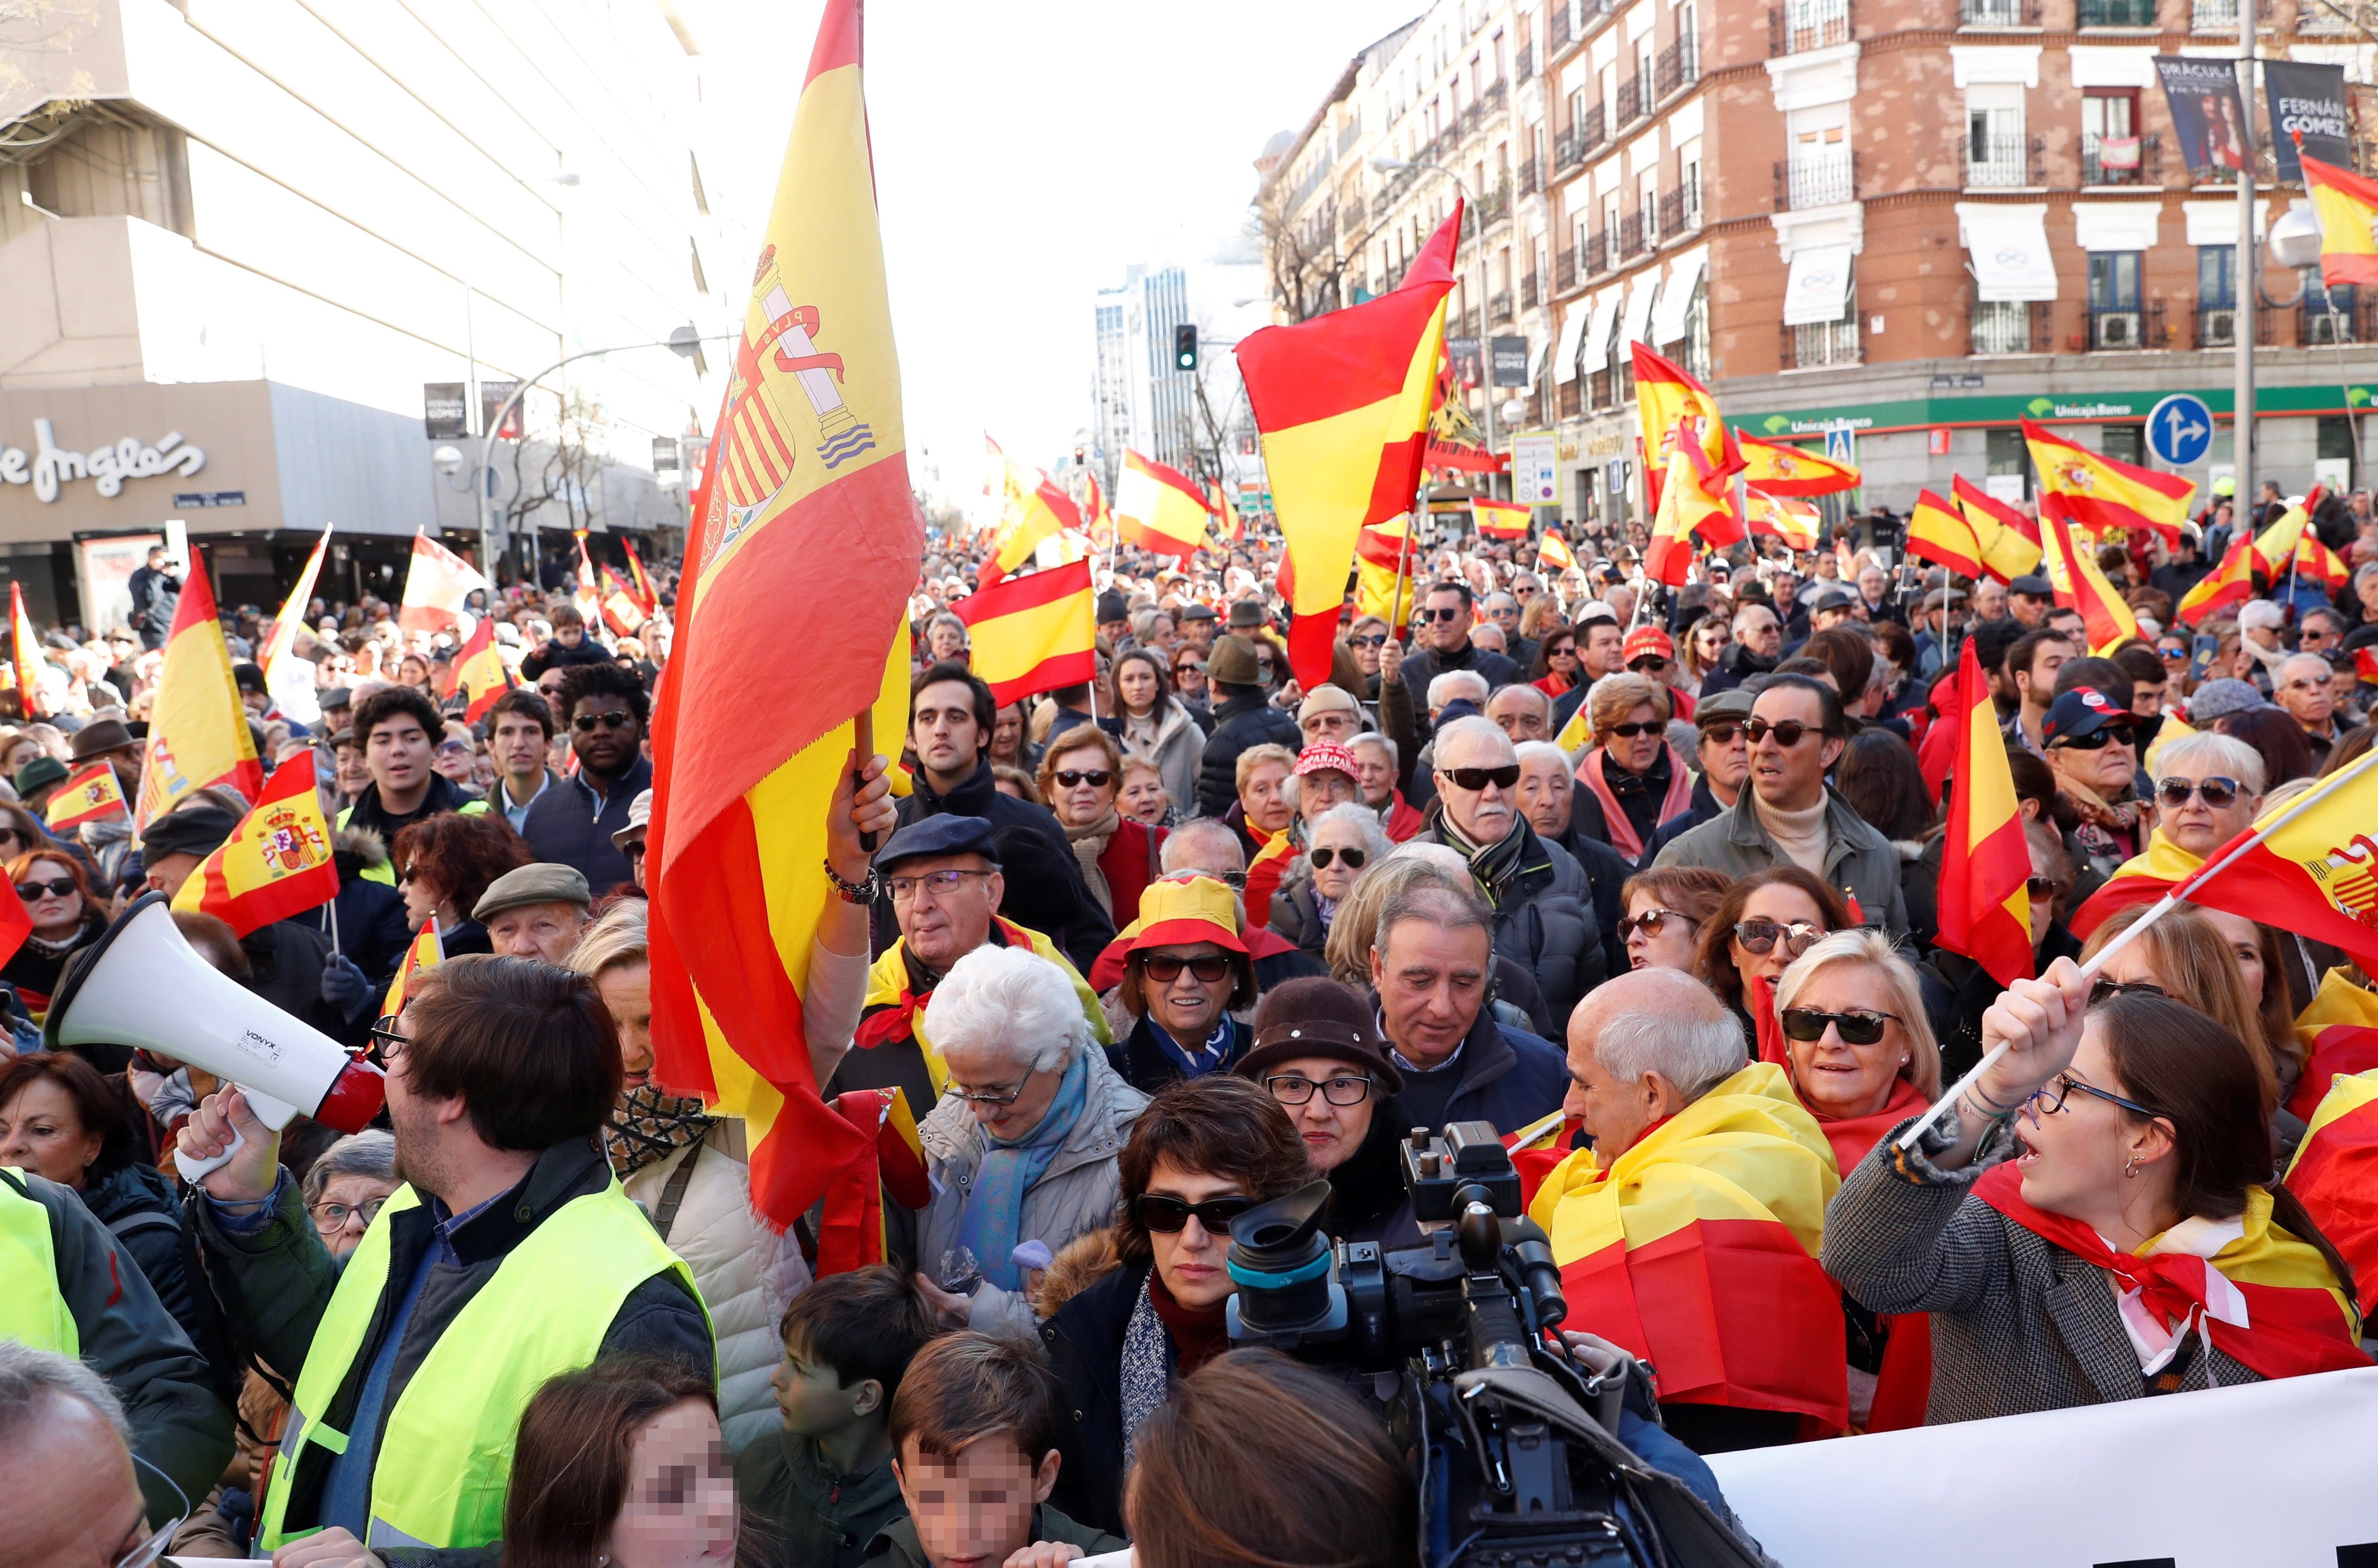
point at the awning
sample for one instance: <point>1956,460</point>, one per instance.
<point>1536,353</point>
<point>2009,251</point>
<point>1565,352</point>
<point>2120,225</point>
<point>1817,290</point>
<point>1638,320</point>
<point>1593,354</point>
<point>1677,299</point>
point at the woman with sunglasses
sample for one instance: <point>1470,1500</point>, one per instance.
<point>2063,1224</point>
<point>66,918</point>
<point>1081,775</point>
<point>1765,921</point>
<point>443,864</point>
<point>1155,1292</point>
<point>1632,779</point>
<point>1319,1053</point>
<point>1145,720</point>
<point>1554,668</point>
<point>1185,971</point>
<point>1340,844</point>
<point>1666,909</point>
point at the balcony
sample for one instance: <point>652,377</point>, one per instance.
<point>2116,329</point>
<point>1826,343</point>
<point>1823,181</point>
<point>2010,327</point>
<point>1559,36</point>
<point>1351,214</point>
<point>1494,201</point>
<point>2117,13</point>
<point>1998,13</point>
<point>2354,319</point>
<point>1678,67</point>
<point>1498,306</point>
<point>1802,25</point>
<point>1523,65</point>
<point>1680,211</point>
<point>1530,174</point>
<point>2007,161</point>
<point>1567,151</point>
<point>1593,254</point>
<point>1571,400</point>
<point>2213,16</point>
<point>1498,94</point>
<point>1470,119</point>
<point>1530,291</point>
<point>1564,272</point>
<point>1592,130</point>
<point>1632,102</point>
<point>2123,160</point>
<point>1629,242</point>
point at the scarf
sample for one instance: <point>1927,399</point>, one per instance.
<point>1197,1063</point>
<point>2101,819</point>
<point>2252,1291</point>
<point>1853,1137</point>
<point>1493,865</point>
<point>1089,841</point>
<point>1145,1366</point>
<point>648,1125</point>
<point>990,1224</point>
<point>1198,1333</point>
<point>1613,786</point>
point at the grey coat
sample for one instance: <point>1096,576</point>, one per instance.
<point>1858,857</point>
<point>1178,746</point>
<point>1078,1193</point>
<point>2018,1323</point>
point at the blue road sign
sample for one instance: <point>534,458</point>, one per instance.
<point>2180,431</point>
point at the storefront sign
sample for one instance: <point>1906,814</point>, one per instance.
<point>190,501</point>
<point>1915,414</point>
<point>107,467</point>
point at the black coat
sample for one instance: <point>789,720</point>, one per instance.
<point>1084,1344</point>
<point>554,656</point>
<point>1245,720</point>
<point>1146,1066</point>
<point>138,1206</point>
<point>1734,666</point>
<point>1704,809</point>
<point>562,825</point>
<point>1543,919</point>
<point>1425,665</point>
<point>1045,889</point>
<point>1605,872</point>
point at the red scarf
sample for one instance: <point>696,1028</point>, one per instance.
<point>1853,1137</point>
<point>1614,822</point>
<point>1199,1333</point>
<point>897,1020</point>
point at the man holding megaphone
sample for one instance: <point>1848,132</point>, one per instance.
<point>510,1255</point>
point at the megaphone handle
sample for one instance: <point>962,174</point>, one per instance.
<point>275,1114</point>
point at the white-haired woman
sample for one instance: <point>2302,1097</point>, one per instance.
<point>1023,1145</point>
<point>1339,844</point>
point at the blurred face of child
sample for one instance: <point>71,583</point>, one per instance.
<point>975,1510</point>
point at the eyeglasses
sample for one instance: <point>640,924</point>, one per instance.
<point>1165,967</point>
<point>1475,779</point>
<point>2121,734</point>
<point>1723,735</point>
<point>2106,990</point>
<point>1351,858</point>
<point>1453,614</point>
<point>2041,888</point>
<point>2217,791</point>
<point>1859,1027</point>
<point>152,1547</point>
<point>1787,733</point>
<point>1759,936</point>
<point>1165,1216</point>
<point>997,1095</point>
<point>332,1218</point>
<point>1377,639</point>
<point>585,722</point>
<point>1628,732</point>
<point>1650,922</point>
<point>2050,1096</point>
<point>391,1043</point>
<point>1294,1089</point>
<point>1097,778</point>
<point>938,882</point>
<point>57,887</point>
<point>1650,664</point>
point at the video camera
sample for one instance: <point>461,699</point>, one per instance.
<point>1517,1442</point>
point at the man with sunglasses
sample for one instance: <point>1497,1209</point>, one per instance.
<point>2302,685</point>
<point>1797,733</point>
<point>2091,741</point>
<point>1757,646</point>
<point>1720,760</point>
<point>1442,625</point>
<point>606,707</point>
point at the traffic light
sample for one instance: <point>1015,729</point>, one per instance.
<point>1185,347</point>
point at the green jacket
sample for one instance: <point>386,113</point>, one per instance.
<point>824,1518</point>
<point>895,1545</point>
<point>1857,858</point>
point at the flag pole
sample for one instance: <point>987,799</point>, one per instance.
<point>1404,559</point>
<point>862,741</point>
<point>2161,907</point>
<point>333,907</point>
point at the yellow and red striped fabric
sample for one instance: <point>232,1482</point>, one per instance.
<point>1034,633</point>
<point>1668,399</point>
<point>1034,508</point>
<point>1499,520</point>
<point>2316,562</point>
<point>1939,533</point>
<point>2334,1176</point>
<point>276,863</point>
<point>1984,903</point>
<point>2108,621</point>
<point>478,672</point>
<point>1697,1250</point>
<point>435,583</point>
<point>1696,502</point>
<point>2231,582</point>
<point>2009,541</point>
<point>1383,549</point>
<point>26,664</point>
<point>426,953</point>
<point>1554,553</point>
<point>1343,403</point>
<point>851,1233</point>
<point>2337,1032</point>
<point>90,794</point>
<point>1781,469</point>
<point>1265,872</point>
<point>2101,493</point>
<point>2275,546</point>
<point>197,727</point>
<point>2347,205</point>
<point>1225,514</point>
<point>1792,520</point>
<point>2142,879</point>
<point>737,836</point>
<point>647,598</point>
<point>1158,508</point>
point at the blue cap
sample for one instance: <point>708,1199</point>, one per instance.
<point>2033,586</point>
<point>2084,711</point>
<point>946,833</point>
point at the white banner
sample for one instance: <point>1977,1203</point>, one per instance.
<point>2277,1475</point>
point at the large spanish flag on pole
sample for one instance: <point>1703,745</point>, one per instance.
<point>197,729</point>
<point>2108,620</point>
<point>2100,493</point>
<point>25,659</point>
<point>276,863</point>
<point>1158,507</point>
<point>1781,469</point>
<point>289,678</point>
<point>2346,206</point>
<point>1696,502</point>
<point>436,584</point>
<point>2009,541</point>
<point>1985,865</point>
<point>811,507</point>
<point>1500,520</point>
<point>1034,633</point>
<point>1939,532</point>
<point>1667,397</point>
<point>1787,518</point>
<point>2231,582</point>
<point>1343,402</point>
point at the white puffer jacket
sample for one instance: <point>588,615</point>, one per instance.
<point>748,1273</point>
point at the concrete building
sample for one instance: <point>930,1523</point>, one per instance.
<point>1142,400</point>
<point>288,241</point>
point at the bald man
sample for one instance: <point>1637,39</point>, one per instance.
<point>1523,712</point>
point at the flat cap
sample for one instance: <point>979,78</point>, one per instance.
<point>544,883</point>
<point>2032,586</point>
<point>946,833</point>
<point>1197,612</point>
<point>194,830</point>
<point>1730,706</point>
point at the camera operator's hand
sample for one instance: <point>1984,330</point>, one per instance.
<point>249,1175</point>
<point>1043,1555</point>
<point>1593,1350</point>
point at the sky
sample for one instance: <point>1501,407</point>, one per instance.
<point>1026,151</point>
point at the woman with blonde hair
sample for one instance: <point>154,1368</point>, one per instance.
<point>1632,779</point>
<point>1856,1043</point>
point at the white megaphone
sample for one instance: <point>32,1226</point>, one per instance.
<point>143,986</point>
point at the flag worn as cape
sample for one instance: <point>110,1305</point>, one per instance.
<point>2338,1034</point>
<point>2334,1176</point>
<point>197,727</point>
<point>277,863</point>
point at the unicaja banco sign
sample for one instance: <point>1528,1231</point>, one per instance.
<point>51,465</point>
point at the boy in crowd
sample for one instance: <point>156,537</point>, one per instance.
<point>825,1483</point>
<point>970,1443</point>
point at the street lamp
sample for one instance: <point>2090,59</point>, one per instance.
<point>1386,164</point>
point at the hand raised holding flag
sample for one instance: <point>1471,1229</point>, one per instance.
<point>2039,1023</point>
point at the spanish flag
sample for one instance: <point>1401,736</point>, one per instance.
<point>436,584</point>
<point>2275,546</point>
<point>1033,509</point>
<point>2334,1176</point>
<point>1984,903</point>
<point>1668,399</point>
<point>2173,728</point>
<point>1690,506</point>
<point>1158,508</point>
<point>1938,532</point>
<point>1697,1250</point>
<point>647,600</point>
<point>276,863</point>
<point>2142,879</point>
<point>478,673</point>
<point>197,729</point>
<point>2231,582</point>
<point>1343,402</point>
<point>1217,501</point>
<point>2337,1032</point>
<point>1792,520</point>
<point>1265,873</point>
<point>1034,633</point>
<point>1499,520</point>
<point>289,678</point>
<point>2317,563</point>
<point>2009,541</point>
<point>2108,621</point>
<point>1382,548</point>
<point>2346,206</point>
<point>851,1232</point>
<point>620,611</point>
<point>737,836</point>
<point>426,953</point>
<point>1098,522</point>
<point>1783,470</point>
<point>2101,493</point>
<point>24,655</point>
<point>90,794</point>
<point>1552,553</point>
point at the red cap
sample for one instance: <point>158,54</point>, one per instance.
<point>1646,639</point>
<point>1327,754</point>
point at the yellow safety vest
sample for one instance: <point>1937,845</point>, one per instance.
<point>33,1311</point>
<point>444,1454</point>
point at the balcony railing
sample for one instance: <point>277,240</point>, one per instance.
<point>1564,272</point>
<point>2213,16</point>
<point>2114,329</point>
<point>1802,25</point>
<point>2012,327</point>
<point>1998,13</point>
<point>1571,400</point>
<point>1680,211</point>
<point>1471,115</point>
<point>1530,174</point>
<point>2117,13</point>
<point>1523,64</point>
<point>1632,100</point>
<point>1593,254</point>
<point>1567,151</point>
<point>1592,129</point>
<point>1494,201</point>
<point>1822,181</point>
<point>2005,161</point>
<point>1351,214</point>
<point>1530,291</point>
<point>1498,94</point>
<point>1498,306</point>
<point>1557,36</point>
<point>2123,160</point>
<point>1678,67</point>
<point>1629,242</point>
<point>1826,343</point>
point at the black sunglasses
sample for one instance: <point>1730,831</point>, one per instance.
<point>2217,791</point>
<point>1860,1026</point>
<point>1351,859</point>
<point>2095,739</point>
<point>1787,733</point>
<point>1650,664</point>
<point>1165,1216</point>
<point>1474,779</point>
<point>585,722</point>
<point>2106,990</point>
<point>1760,936</point>
<point>1377,639</point>
<point>1724,735</point>
<point>1452,614</point>
<point>1097,778</point>
<point>2041,888</point>
<point>56,888</point>
<point>1628,732</point>
<point>1165,967</point>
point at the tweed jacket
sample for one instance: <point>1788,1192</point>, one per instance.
<point>2018,1323</point>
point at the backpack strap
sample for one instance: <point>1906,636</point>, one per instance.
<point>673,1192</point>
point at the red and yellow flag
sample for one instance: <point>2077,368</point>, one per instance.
<point>1499,520</point>
<point>478,673</point>
<point>1034,633</point>
<point>90,794</point>
<point>1939,532</point>
<point>2317,563</point>
<point>851,1232</point>
<point>1696,502</point>
<point>436,584</point>
<point>2102,494</point>
<point>1985,864</point>
<point>2108,621</point>
<point>820,513</point>
<point>1097,521</point>
<point>1696,1250</point>
<point>1382,547</point>
<point>647,599</point>
<point>1669,400</point>
<point>2009,541</point>
<point>2231,582</point>
<point>1784,469</point>
<point>1343,402</point>
<point>1552,553</point>
<point>620,611</point>
<point>25,661</point>
<point>2142,879</point>
<point>1272,862</point>
<point>426,953</point>
<point>197,728</point>
<point>2337,1032</point>
<point>1217,501</point>
<point>2334,1176</point>
<point>1158,508</point>
<point>1793,520</point>
<point>1036,509</point>
<point>289,678</point>
<point>276,863</point>
<point>2346,206</point>
<point>2276,545</point>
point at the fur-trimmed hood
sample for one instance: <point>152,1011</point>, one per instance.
<point>1084,1261</point>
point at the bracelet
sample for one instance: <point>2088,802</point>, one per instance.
<point>1996,1110</point>
<point>861,894</point>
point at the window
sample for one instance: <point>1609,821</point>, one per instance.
<point>1829,342</point>
<point>2110,137</point>
<point>1994,149</point>
<point>2001,327</point>
<point>2008,456</point>
<point>1648,204</point>
<point>2115,320</point>
<point>2123,443</point>
<point>2217,276</point>
<point>1696,330</point>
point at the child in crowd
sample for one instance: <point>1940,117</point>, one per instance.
<point>825,1483</point>
<point>970,1442</point>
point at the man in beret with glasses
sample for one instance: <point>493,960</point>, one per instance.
<point>605,708</point>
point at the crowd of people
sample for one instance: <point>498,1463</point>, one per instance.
<point>1648,881</point>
